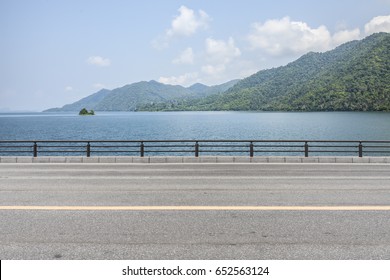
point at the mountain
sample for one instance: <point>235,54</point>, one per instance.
<point>202,90</point>
<point>198,92</point>
<point>353,77</point>
<point>219,88</point>
<point>198,87</point>
<point>90,101</point>
<point>132,97</point>
<point>129,97</point>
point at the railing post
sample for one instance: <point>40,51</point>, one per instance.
<point>35,149</point>
<point>142,149</point>
<point>306,149</point>
<point>196,149</point>
<point>88,149</point>
<point>251,150</point>
<point>360,149</point>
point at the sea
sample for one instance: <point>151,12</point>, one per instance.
<point>196,126</point>
<point>351,126</point>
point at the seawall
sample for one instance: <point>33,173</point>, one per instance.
<point>202,159</point>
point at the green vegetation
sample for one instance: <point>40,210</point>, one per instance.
<point>132,97</point>
<point>88,102</point>
<point>85,112</point>
<point>352,77</point>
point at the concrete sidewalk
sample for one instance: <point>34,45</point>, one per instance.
<point>202,159</point>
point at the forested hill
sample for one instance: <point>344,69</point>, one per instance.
<point>353,77</point>
<point>132,96</point>
<point>90,101</point>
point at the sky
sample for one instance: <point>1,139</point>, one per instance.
<point>55,52</point>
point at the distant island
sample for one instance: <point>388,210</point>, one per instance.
<point>353,77</point>
<point>85,112</point>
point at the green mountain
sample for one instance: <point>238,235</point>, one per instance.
<point>201,90</point>
<point>353,77</point>
<point>132,97</point>
<point>129,97</point>
<point>198,93</point>
<point>90,101</point>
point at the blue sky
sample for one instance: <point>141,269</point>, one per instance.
<point>55,52</point>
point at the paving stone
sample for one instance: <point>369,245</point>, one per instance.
<point>158,159</point>
<point>90,160</point>
<point>242,159</point>
<point>310,160</point>
<point>361,160</point>
<point>57,159</point>
<point>293,159</point>
<point>379,160</point>
<point>174,159</point>
<point>41,160</point>
<point>124,159</point>
<point>208,159</point>
<point>191,159</point>
<point>24,159</point>
<point>260,159</point>
<point>276,159</point>
<point>225,159</point>
<point>107,159</point>
<point>344,160</point>
<point>327,159</point>
<point>74,159</point>
<point>141,160</point>
<point>8,159</point>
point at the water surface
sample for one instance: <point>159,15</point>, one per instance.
<point>196,125</point>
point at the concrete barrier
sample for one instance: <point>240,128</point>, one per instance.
<point>206,159</point>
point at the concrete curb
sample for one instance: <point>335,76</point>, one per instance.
<point>207,159</point>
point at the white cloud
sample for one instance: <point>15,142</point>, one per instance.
<point>187,22</point>
<point>99,61</point>
<point>185,79</point>
<point>214,65</point>
<point>219,54</point>
<point>344,36</point>
<point>213,70</point>
<point>186,57</point>
<point>378,24</point>
<point>220,51</point>
<point>284,37</point>
<point>68,88</point>
<point>272,43</point>
<point>98,86</point>
<point>279,37</point>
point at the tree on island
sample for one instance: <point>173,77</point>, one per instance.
<point>84,112</point>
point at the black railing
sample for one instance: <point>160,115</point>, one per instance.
<point>195,148</point>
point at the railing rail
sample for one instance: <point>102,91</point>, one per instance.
<point>196,148</point>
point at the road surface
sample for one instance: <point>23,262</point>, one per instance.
<point>195,211</point>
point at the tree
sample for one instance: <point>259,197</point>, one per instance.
<point>84,112</point>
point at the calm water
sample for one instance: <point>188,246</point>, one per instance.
<point>196,125</point>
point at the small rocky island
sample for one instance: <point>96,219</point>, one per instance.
<point>85,112</point>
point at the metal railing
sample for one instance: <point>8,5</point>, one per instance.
<point>195,148</point>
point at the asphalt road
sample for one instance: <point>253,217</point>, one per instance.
<point>222,211</point>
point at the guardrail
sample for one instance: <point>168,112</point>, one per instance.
<point>193,147</point>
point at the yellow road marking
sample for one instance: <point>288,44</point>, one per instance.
<point>199,208</point>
